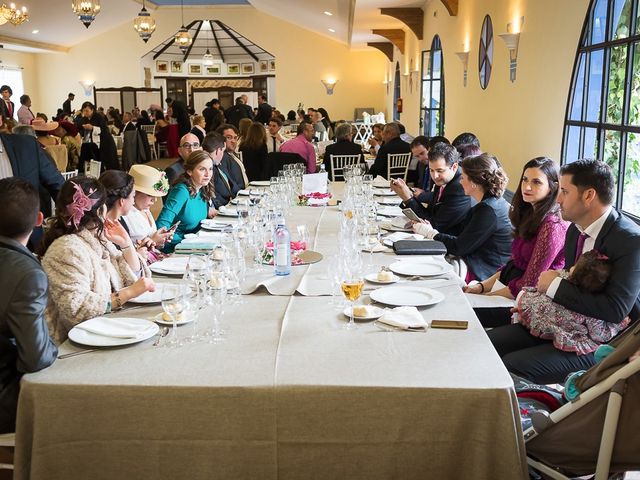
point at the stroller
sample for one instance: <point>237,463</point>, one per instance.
<point>599,431</point>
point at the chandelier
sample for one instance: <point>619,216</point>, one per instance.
<point>86,10</point>
<point>144,24</point>
<point>183,38</point>
<point>207,58</point>
<point>13,14</point>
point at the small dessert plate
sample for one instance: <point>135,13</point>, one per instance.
<point>373,278</point>
<point>373,313</point>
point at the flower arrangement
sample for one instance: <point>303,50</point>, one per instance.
<point>313,198</point>
<point>162,185</point>
<point>296,249</point>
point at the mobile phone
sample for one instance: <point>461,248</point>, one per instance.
<point>174,226</point>
<point>454,324</point>
<point>410,214</point>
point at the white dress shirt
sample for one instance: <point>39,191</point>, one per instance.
<point>593,231</point>
<point>6,170</point>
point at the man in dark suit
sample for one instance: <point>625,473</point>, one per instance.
<point>264,110</point>
<point>586,197</point>
<point>188,143</point>
<point>236,113</point>
<point>66,105</point>
<point>180,113</point>
<point>442,200</point>
<point>7,107</point>
<point>392,144</point>
<point>128,125</point>
<point>343,146</point>
<point>225,185</point>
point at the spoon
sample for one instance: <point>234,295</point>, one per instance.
<point>164,331</point>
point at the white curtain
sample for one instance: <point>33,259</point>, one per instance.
<point>12,76</point>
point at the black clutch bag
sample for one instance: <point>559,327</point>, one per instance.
<point>419,247</point>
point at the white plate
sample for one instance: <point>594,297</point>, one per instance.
<point>403,296</point>
<point>388,201</point>
<point>244,192</point>
<point>151,297</point>
<point>390,212</point>
<point>384,193</point>
<point>388,226</point>
<point>93,340</point>
<point>170,266</point>
<point>158,319</point>
<point>373,278</point>
<point>214,225</point>
<point>260,183</point>
<point>423,268</point>
<point>374,313</point>
<point>225,211</point>
<point>234,201</point>
<point>400,222</point>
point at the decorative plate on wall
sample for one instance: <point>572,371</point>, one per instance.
<point>485,52</point>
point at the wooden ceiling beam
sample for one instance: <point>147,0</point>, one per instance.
<point>451,6</point>
<point>394,35</point>
<point>193,41</point>
<point>384,47</point>
<point>411,17</point>
<point>217,42</point>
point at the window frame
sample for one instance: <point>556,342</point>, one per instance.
<point>397,92</point>
<point>486,45</point>
<point>428,83</point>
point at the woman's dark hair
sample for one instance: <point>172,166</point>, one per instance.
<point>591,272</point>
<point>468,150</point>
<point>208,192</point>
<point>525,217</point>
<point>291,115</point>
<point>88,104</point>
<point>326,121</point>
<point>118,184</point>
<point>255,138</point>
<point>60,224</point>
<point>485,170</point>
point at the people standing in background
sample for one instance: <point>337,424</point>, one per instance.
<point>180,113</point>
<point>7,107</point>
<point>254,153</point>
<point>199,127</point>
<point>66,105</point>
<point>247,107</point>
<point>97,142</point>
<point>127,123</point>
<point>265,110</point>
<point>213,116</point>
<point>236,113</point>
<point>25,115</point>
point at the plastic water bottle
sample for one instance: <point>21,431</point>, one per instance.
<point>282,249</point>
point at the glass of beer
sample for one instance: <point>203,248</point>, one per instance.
<point>352,286</point>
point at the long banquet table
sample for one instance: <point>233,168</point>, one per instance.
<point>289,395</point>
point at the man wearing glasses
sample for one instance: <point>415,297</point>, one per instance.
<point>188,143</point>
<point>231,162</point>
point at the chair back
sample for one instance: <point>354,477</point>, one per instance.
<point>59,155</point>
<point>95,167</point>
<point>148,129</point>
<point>277,160</point>
<point>66,176</point>
<point>338,162</point>
<point>398,165</point>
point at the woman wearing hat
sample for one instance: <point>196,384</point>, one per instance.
<point>148,184</point>
<point>43,131</point>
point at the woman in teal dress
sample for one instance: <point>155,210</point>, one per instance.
<point>189,200</point>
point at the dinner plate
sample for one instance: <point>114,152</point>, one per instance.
<point>400,222</point>
<point>260,183</point>
<point>152,297</point>
<point>158,319</point>
<point>406,296</point>
<point>390,211</point>
<point>388,201</point>
<point>373,313</point>
<point>423,268</point>
<point>225,211</point>
<point>373,278</point>
<point>83,337</point>
<point>170,266</point>
<point>384,193</point>
<point>389,227</point>
<point>214,225</point>
<point>244,192</point>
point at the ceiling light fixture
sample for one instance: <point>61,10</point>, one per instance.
<point>13,14</point>
<point>35,31</point>
<point>207,58</point>
<point>329,14</point>
<point>332,30</point>
<point>86,10</point>
<point>144,24</point>
<point>183,38</point>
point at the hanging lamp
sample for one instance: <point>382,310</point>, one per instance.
<point>86,10</point>
<point>183,38</point>
<point>144,24</point>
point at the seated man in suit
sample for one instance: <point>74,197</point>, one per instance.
<point>188,143</point>
<point>231,160</point>
<point>392,144</point>
<point>586,197</point>
<point>223,183</point>
<point>343,146</point>
<point>25,345</point>
<point>442,201</point>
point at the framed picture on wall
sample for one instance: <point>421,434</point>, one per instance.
<point>248,68</point>
<point>213,70</point>
<point>176,66</point>
<point>195,69</point>
<point>263,66</point>
<point>233,68</point>
<point>162,66</point>
<point>272,65</point>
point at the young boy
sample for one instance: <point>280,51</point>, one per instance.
<point>25,345</point>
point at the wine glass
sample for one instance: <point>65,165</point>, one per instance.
<point>375,235</point>
<point>173,306</point>
<point>243,210</point>
<point>255,196</point>
<point>218,293</point>
<point>303,236</point>
<point>352,284</point>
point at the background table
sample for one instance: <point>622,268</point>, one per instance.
<point>289,395</point>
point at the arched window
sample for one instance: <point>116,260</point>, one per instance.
<point>432,103</point>
<point>396,93</point>
<point>603,112</point>
<point>485,52</point>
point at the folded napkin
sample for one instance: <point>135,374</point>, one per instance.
<point>404,317</point>
<point>116,327</point>
<point>390,211</point>
<point>228,210</point>
<point>389,240</point>
<point>380,182</point>
<point>378,247</point>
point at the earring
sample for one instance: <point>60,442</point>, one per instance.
<point>473,185</point>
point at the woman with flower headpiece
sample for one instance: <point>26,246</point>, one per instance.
<point>88,275</point>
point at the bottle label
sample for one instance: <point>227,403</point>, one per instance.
<point>281,257</point>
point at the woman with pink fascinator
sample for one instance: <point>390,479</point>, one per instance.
<point>88,275</point>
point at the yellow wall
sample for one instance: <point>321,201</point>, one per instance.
<point>515,121</point>
<point>303,58</point>
<point>28,62</point>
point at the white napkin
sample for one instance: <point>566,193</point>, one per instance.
<point>394,237</point>
<point>380,182</point>
<point>209,223</point>
<point>228,210</point>
<point>390,211</point>
<point>244,192</point>
<point>115,327</point>
<point>404,317</point>
<point>378,247</point>
<point>314,182</point>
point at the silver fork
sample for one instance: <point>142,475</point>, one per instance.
<point>74,354</point>
<point>391,328</point>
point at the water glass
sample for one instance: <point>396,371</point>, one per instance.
<point>173,306</point>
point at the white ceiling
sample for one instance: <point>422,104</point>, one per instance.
<point>58,25</point>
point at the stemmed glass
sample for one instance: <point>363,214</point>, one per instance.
<point>173,305</point>
<point>303,235</point>
<point>255,196</point>
<point>375,235</point>
<point>243,210</point>
<point>218,293</point>
<point>352,284</point>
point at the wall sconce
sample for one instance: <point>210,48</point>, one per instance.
<point>511,40</point>
<point>87,85</point>
<point>464,58</point>
<point>329,85</point>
